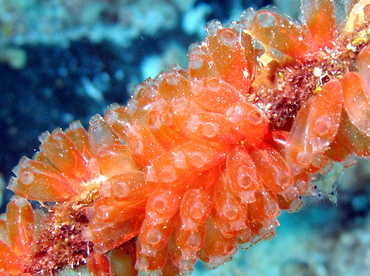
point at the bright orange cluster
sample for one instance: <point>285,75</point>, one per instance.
<point>200,160</point>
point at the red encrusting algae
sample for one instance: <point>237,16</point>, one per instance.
<point>200,160</point>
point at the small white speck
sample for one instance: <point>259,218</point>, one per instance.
<point>317,72</point>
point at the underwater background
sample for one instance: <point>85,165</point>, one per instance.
<point>66,60</point>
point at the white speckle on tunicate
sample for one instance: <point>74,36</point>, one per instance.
<point>317,72</point>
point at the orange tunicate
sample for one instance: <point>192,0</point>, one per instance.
<point>38,181</point>
<point>98,264</point>
<point>10,262</point>
<point>216,249</point>
<point>319,13</point>
<point>277,32</point>
<point>196,205</point>
<point>142,144</point>
<point>186,161</point>
<point>20,226</point>
<point>248,120</point>
<point>227,49</point>
<point>241,174</point>
<point>163,204</point>
<point>200,160</point>
<point>214,94</point>
<point>211,127</point>
<point>351,139</point>
<point>161,123</point>
<point>64,155</point>
<point>173,83</point>
<point>315,126</point>
<point>363,61</point>
<point>273,171</point>
<point>200,62</point>
<point>115,160</point>
<point>357,101</point>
